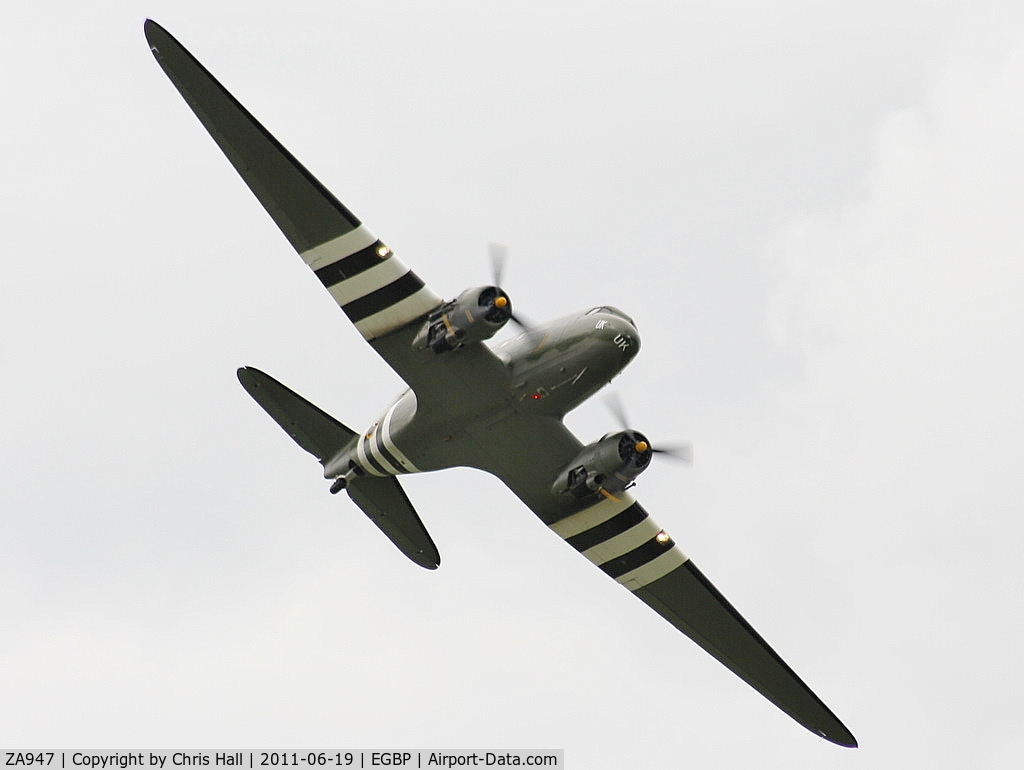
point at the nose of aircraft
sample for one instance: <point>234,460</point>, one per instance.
<point>625,336</point>
<point>620,331</point>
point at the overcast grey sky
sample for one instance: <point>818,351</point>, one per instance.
<point>813,212</point>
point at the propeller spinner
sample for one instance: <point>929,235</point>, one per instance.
<point>499,258</point>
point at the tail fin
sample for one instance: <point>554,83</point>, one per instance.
<point>382,499</point>
<point>311,428</point>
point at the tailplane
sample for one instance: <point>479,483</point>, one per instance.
<point>309,426</point>
<point>382,499</point>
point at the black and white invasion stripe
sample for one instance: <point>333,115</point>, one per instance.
<point>377,453</point>
<point>619,537</point>
<point>377,291</point>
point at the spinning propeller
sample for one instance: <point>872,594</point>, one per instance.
<point>499,256</point>
<point>682,453</point>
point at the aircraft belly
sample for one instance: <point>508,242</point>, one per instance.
<point>412,438</point>
<point>438,441</point>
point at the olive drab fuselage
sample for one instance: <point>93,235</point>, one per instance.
<point>550,370</point>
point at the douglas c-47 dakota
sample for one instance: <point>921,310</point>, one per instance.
<point>498,409</point>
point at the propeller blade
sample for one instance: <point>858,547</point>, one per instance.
<point>499,256</point>
<point>518,320</point>
<point>613,401</point>
<point>682,453</point>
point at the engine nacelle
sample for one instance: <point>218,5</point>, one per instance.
<point>606,466</point>
<point>473,316</point>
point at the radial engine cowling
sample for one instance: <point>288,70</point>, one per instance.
<point>606,466</point>
<point>473,316</point>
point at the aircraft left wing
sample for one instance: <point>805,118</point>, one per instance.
<point>375,289</point>
<point>617,535</point>
<point>624,542</point>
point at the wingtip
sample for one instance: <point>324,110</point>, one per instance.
<point>844,738</point>
<point>428,560</point>
<point>160,40</point>
<point>149,27</point>
<point>249,373</point>
<point>252,379</point>
<point>156,36</point>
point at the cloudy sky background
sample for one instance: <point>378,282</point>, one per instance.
<point>813,212</point>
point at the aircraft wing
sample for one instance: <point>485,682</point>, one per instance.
<point>619,537</point>
<point>622,540</point>
<point>377,291</point>
<point>666,580</point>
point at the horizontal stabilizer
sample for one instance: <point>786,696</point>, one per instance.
<point>382,499</point>
<point>385,502</point>
<point>312,428</point>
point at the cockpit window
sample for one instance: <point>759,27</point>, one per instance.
<point>611,310</point>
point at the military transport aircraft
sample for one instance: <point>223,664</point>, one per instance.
<point>498,409</point>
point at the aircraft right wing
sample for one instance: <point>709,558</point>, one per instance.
<point>377,291</point>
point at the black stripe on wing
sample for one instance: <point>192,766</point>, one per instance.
<point>384,297</point>
<point>609,529</point>
<point>352,265</point>
<point>638,557</point>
